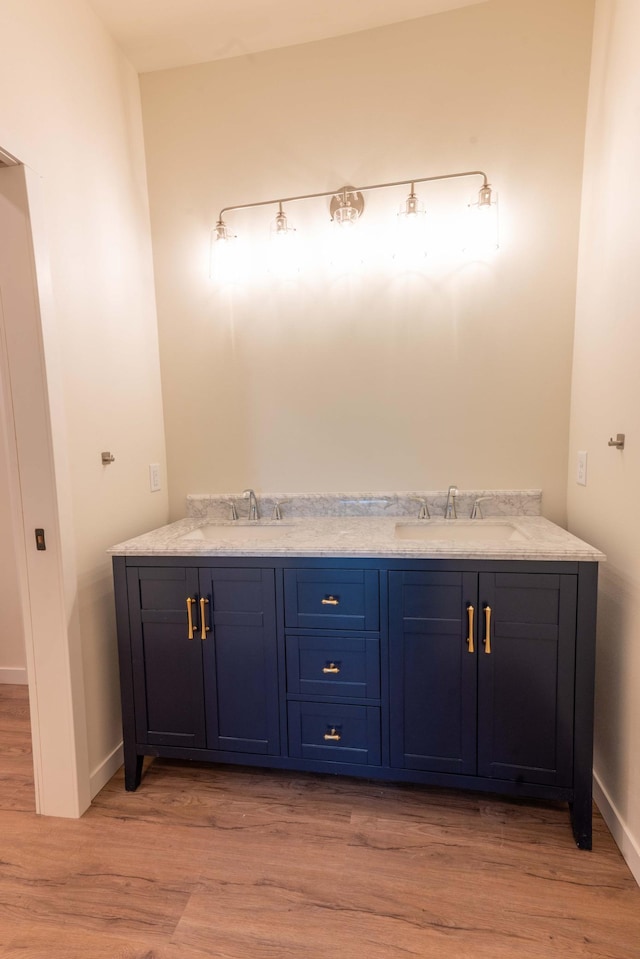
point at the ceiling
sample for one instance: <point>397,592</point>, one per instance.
<point>159,34</point>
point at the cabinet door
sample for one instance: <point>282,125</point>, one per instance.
<point>240,660</point>
<point>433,671</point>
<point>167,665</point>
<point>525,681</point>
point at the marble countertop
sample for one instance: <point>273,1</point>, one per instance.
<point>496,537</point>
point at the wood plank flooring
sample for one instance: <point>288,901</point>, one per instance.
<point>236,863</point>
<point>16,763</point>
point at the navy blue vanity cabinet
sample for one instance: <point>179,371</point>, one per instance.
<point>203,662</point>
<point>466,674</point>
<point>482,674</point>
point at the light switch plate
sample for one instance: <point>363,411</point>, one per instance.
<point>581,468</point>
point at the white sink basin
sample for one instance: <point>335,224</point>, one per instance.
<point>229,532</point>
<point>479,531</point>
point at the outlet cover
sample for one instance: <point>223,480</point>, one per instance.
<point>154,477</point>
<point>581,468</point>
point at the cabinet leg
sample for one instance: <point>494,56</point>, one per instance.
<point>581,821</point>
<point>132,771</point>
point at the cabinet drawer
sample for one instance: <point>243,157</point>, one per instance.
<point>334,733</point>
<point>331,598</point>
<point>334,666</point>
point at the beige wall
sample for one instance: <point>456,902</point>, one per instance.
<point>70,110</point>
<point>605,401</point>
<point>386,381</point>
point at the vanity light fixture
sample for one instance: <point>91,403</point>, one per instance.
<point>346,205</point>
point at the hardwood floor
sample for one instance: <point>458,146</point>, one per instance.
<point>236,863</point>
<point>16,765</point>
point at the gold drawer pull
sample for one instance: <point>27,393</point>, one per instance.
<point>190,603</point>
<point>470,612</point>
<point>331,668</point>
<point>204,629</point>
<point>330,601</point>
<point>487,629</point>
<point>333,734</point>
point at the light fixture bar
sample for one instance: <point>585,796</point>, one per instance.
<point>361,189</point>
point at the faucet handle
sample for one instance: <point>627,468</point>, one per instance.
<point>232,508</point>
<point>475,510</point>
<point>424,509</point>
<point>276,514</point>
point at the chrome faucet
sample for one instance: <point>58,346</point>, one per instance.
<point>253,504</point>
<point>450,508</point>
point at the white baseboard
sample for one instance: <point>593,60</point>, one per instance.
<point>13,676</point>
<point>624,840</point>
<point>101,776</point>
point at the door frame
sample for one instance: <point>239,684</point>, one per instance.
<point>31,405</point>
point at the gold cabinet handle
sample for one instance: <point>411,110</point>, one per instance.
<point>487,629</point>
<point>331,668</point>
<point>190,603</point>
<point>333,734</point>
<point>470,612</point>
<point>330,601</point>
<point>204,629</point>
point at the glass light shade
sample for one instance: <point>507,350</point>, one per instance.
<point>284,256</point>
<point>481,230</point>
<point>224,262</point>
<point>345,249</point>
<point>411,238</point>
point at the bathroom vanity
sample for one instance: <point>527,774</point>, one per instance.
<point>448,653</point>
